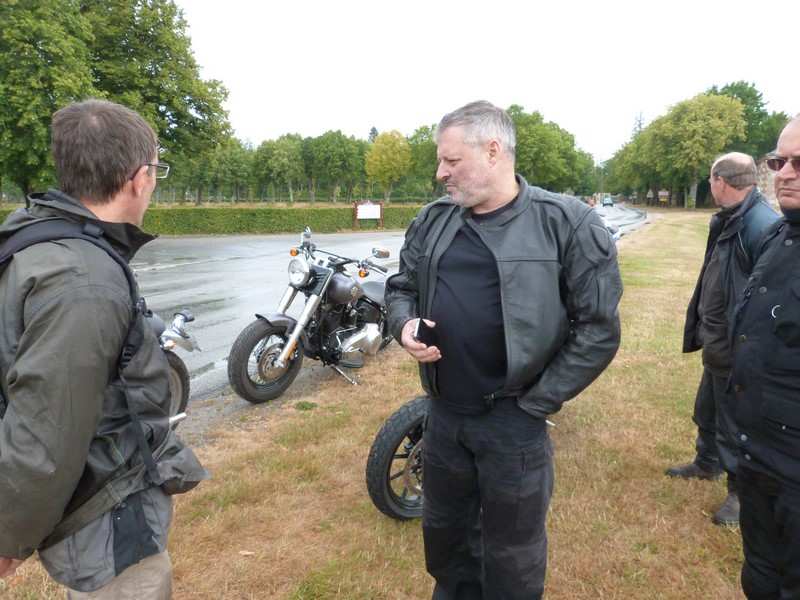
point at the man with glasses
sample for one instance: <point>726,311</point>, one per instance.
<point>75,434</point>
<point>732,242</point>
<point>765,383</point>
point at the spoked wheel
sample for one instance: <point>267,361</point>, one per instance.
<point>178,384</point>
<point>251,367</point>
<point>394,466</point>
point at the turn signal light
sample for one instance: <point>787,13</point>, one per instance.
<point>363,273</point>
<point>294,252</point>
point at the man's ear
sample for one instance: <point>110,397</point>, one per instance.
<point>493,151</point>
<point>139,180</point>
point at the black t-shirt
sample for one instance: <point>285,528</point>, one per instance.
<point>468,313</point>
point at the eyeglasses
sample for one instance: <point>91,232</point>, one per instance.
<point>162,170</point>
<point>777,163</point>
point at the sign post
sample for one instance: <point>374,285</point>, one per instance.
<point>369,210</point>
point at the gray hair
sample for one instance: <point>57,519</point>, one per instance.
<point>482,122</point>
<point>737,168</point>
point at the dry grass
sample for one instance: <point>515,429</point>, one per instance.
<point>287,514</point>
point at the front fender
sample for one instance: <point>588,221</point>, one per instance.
<point>280,320</point>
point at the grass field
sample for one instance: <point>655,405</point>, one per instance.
<point>287,515</point>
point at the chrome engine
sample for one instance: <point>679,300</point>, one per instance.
<point>353,344</point>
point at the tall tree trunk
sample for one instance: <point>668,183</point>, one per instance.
<point>691,202</point>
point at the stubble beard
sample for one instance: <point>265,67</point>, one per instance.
<point>471,193</point>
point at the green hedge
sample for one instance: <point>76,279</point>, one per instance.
<point>236,221</point>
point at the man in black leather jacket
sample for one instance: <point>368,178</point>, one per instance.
<point>521,287</point>
<point>765,384</point>
<point>733,237</point>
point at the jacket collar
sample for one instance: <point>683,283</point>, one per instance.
<point>731,216</point>
<point>125,238</point>
<point>522,201</point>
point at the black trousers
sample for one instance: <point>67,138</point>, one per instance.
<point>716,427</point>
<point>770,522</point>
<point>488,483</point>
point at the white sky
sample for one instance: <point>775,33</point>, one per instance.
<point>310,66</point>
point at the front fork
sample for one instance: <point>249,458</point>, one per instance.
<point>312,303</point>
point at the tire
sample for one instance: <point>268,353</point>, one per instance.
<point>178,384</point>
<point>250,370</point>
<point>394,465</point>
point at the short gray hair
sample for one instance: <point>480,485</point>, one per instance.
<point>736,168</point>
<point>482,122</point>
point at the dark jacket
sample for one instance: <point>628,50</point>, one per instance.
<point>560,286</point>
<point>734,234</point>
<point>765,378</point>
<point>66,436</point>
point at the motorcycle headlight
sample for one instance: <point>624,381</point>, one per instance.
<point>299,273</point>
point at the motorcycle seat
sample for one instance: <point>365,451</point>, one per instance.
<point>374,291</point>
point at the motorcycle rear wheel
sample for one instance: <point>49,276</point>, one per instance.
<point>394,465</point>
<point>178,384</point>
<point>251,370</point>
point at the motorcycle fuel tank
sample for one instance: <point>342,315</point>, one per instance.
<point>344,288</point>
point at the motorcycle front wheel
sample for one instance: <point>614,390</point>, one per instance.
<point>394,465</point>
<point>178,384</point>
<point>251,365</point>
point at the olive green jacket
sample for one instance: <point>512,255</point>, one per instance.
<point>66,435</point>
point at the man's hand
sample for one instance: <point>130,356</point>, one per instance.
<point>8,566</point>
<point>417,349</point>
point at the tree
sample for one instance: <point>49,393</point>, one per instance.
<point>307,152</point>
<point>233,169</point>
<point>142,58</point>
<point>545,154</point>
<point>761,129</point>
<point>44,60</point>
<point>262,170</point>
<point>587,173</point>
<point>388,160</point>
<point>335,159</point>
<point>424,157</point>
<point>692,134</point>
<point>286,162</point>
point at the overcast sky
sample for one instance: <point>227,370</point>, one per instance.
<point>592,67</point>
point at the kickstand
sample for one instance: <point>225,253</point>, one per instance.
<point>345,375</point>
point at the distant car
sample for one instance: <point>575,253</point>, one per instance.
<point>608,201</point>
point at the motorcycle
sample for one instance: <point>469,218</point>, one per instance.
<point>169,338</point>
<point>394,464</point>
<point>342,321</point>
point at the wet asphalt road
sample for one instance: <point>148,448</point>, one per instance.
<point>225,281</point>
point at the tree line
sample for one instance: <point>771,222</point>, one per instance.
<point>676,150</point>
<point>138,53</point>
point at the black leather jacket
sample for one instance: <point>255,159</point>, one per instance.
<point>736,233</point>
<point>765,378</point>
<point>560,286</point>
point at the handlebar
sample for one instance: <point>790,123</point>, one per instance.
<point>372,265</point>
<point>336,259</point>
